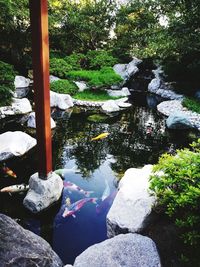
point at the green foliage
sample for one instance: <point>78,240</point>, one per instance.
<point>76,60</point>
<point>64,87</point>
<point>7,76</point>
<point>191,104</point>
<point>59,67</point>
<point>98,59</point>
<point>96,79</point>
<point>176,183</point>
<point>94,95</point>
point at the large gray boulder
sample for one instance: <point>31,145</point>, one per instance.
<point>31,123</point>
<point>127,70</point>
<point>130,250</point>
<point>18,107</point>
<point>22,248</point>
<point>43,193</point>
<point>133,204</point>
<point>62,101</point>
<point>14,144</point>
<point>178,120</point>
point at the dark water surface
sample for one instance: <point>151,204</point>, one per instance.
<point>137,137</point>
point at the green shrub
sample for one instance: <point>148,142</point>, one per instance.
<point>191,104</point>
<point>98,59</point>
<point>93,95</point>
<point>64,87</point>
<point>59,67</point>
<point>176,183</point>
<point>7,76</point>
<point>77,61</point>
<point>96,79</point>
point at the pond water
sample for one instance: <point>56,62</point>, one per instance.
<point>137,137</point>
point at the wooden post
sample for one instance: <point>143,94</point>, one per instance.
<point>40,53</point>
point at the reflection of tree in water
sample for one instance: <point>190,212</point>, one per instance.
<point>129,142</point>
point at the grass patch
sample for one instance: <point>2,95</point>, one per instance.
<point>94,95</point>
<point>64,87</point>
<point>191,104</point>
<point>96,79</point>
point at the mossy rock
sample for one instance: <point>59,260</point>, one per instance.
<point>97,118</point>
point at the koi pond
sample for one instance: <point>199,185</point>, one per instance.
<point>137,136</point>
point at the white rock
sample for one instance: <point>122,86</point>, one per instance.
<point>43,193</point>
<point>21,81</point>
<point>14,144</point>
<point>124,105</point>
<point>62,101</point>
<point>18,106</point>
<point>32,124</point>
<point>133,203</point>
<point>81,86</point>
<point>154,85</point>
<point>130,250</point>
<point>53,78</point>
<point>118,93</point>
<point>178,120</point>
<point>110,106</point>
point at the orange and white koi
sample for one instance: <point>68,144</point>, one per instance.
<point>17,188</point>
<point>73,187</point>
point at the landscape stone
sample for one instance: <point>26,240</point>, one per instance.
<point>81,86</point>
<point>133,203</point>
<point>21,81</point>
<point>22,248</point>
<point>62,101</point>
<point>14,144</point>
<point>110,106</point>
<point>53,78</point>
<point>117,93</point>
<point>43,193</point>
<point>178,120</point>
<point>129,250</point>
<point>31,123</point>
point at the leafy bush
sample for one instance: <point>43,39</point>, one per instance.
<point>64,87</point>
<point>191,104</point>
<point>92,95</point>
<point>77,61</point>
<point>7,76</point>
<point>176,183</point>
<point>96,79</point>
<point>59,67</point>
<point>98,59</point>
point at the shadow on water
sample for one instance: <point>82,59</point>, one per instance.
<point>137,137</point>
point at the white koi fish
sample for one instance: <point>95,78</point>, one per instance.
<point>17,188</point>
<point>71,187</point>
<point>106,192</point>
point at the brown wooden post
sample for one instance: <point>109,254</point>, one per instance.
<point>40,53</point>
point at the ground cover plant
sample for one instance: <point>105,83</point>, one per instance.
<point>94,95</point>
<point>64,87</point>
<point>191,104</point>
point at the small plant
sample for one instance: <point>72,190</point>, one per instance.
<point>76,60</point>
<point>97,79</point>
<point>59,67</point>
<point>98,59</point>
<point>94,95</point>
<point>7,76</point>
<point>191,104</point>
<point>176,183</point>
<point>64,87</point>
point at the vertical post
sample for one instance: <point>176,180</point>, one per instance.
<point>40,53</point>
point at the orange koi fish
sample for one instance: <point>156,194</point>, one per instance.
<point>8,172</point>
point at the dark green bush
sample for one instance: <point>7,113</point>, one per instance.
<point>64,87</point>
<point>59,67</point>
<point>77,61</point>
<point>98,59</point>
<point>176,183</point>
<point>191,104</point>
<point>7,76</point>
<point>97,79</point>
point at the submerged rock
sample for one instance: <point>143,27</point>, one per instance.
<point>21,248</point>
<point>97,118</point>
<point>18,106</point>
<point>15,144</point>
<point>32,124</point>
<point>43,193</point>
<point>133,203</point>
<point>130,250</point>
<point>21,82</point>
<point>62,101</point>
<point>178,120</point>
